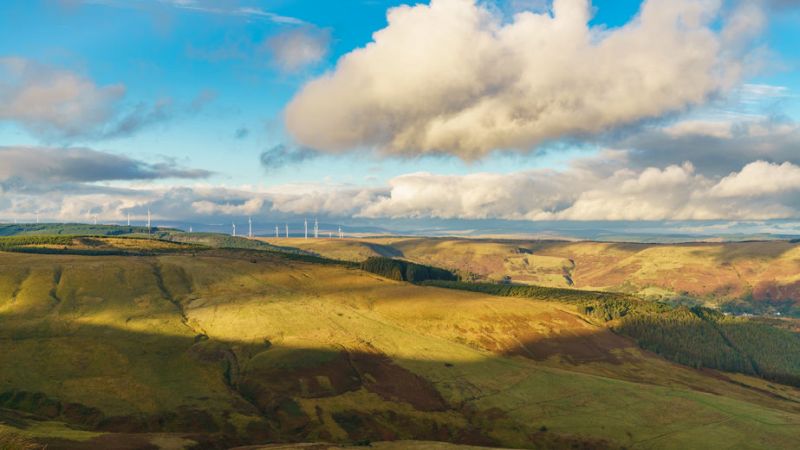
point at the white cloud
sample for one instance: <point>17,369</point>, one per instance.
<point>674,192</point>
<point>52,101</point>
<point>759,178</point>
<point>323,199</point>
<point>453,77</point>
<point>55,104</point>
<point>296,49</point>
<point>477,196</point>
<point>250,207</point>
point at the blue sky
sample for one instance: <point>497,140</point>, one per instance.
<point>205,85</point>
<point>163,52</point>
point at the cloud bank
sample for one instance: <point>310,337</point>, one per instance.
<point>675,192</point>
<point>599,188</point>
<point>453,77</point>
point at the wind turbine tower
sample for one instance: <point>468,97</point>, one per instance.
<point>277,234</point>
<point>305,222</point>
<point>316,228</point>
<point>149,229</point>
<point>341,234</point>
<point>250,227</point>
<point>234,229</point>
<point>129,219</point>
<point>287,230</point>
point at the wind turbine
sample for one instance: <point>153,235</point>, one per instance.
<point>305,222</point>
<point>277,234</point>
<point>287,230</point>
<point>129,219</point>
<point>341,234</point>
<point>250,227</point>
<point>149,228</point>
<point>234,229</point>
<point>316,228</point>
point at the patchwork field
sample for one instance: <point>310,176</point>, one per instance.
<point>751,277</point>
<point>223,348</point>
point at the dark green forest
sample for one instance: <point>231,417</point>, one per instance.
<point>399,270</point>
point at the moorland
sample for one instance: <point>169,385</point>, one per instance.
<point>130,338</point>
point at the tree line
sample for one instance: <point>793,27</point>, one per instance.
<point>400,270</point>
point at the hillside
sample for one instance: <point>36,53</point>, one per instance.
<point>220,348</point>
<point>110,239</point>
<point>69,229</point>
<point>754,277</point>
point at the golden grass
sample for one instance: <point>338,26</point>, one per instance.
<point>713,272</point>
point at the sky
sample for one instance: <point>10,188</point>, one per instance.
<point>456,114</point>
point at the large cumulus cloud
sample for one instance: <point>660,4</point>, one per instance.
<point>453,77</point>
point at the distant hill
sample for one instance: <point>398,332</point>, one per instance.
<point>214,240</point>
<point>760,277</point>
<point>71,229</point>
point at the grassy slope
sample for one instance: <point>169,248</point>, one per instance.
<point>766,272</point>
<point>330,353</point>
<point>353,250</point>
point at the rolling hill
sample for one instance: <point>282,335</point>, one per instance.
<point>753,277</point>
<point>216,348</point>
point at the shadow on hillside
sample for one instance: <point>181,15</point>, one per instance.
<point>272,383</point>
<point>267,382</point>
<point>387,251</point>
<point>734,252</point>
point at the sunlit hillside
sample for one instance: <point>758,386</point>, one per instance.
<point>752,277</point>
